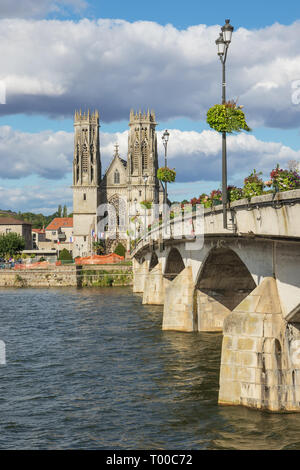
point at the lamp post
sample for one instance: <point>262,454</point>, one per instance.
<point>165,139</point>
<point>145,181</point>
<point>135,201</point>
<point>222,43</point>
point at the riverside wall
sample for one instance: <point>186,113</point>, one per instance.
<point>68,276</point>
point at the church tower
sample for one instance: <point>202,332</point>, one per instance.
<point>142,158</point>
<point>86,181</point>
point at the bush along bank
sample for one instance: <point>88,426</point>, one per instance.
<point>104,278</point>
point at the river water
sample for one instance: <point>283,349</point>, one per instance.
<point>91,369</point>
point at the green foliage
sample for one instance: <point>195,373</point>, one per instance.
<point>20,281</point>
<point>11,244</point>
<point>120,250</point>
<point>102,278</point>
<point>253,185</point>
<point>65,255</point>
<point>281,180</point>
<point>216,197</point>
<point>227,118</point>
<point>284,180</point>
<point>203,199</point>
<point>65,211</point>
<point>146,204</point>
<point>42,259</point>
<point>37,220</point>
<point>166,174</point>
<point>99,247</point>
<point>234,193</point>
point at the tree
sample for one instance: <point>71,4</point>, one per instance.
<point>98,247</point>
<point>65,255</point>
<point>65,211</point>
<point>120,250</point>
<point>59,211</point>
<point>11,244</point>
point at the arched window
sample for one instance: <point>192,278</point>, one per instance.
<point>117,177</point>
<point>136,155</point>
<point>85,159</point>
<point>144,155</point>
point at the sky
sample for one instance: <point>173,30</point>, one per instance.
<point>58,56</point>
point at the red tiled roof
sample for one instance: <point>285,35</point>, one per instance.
<point>12,221</point>
<point>38,230</point>
<point>58,222</point>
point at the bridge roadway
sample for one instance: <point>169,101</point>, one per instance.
<point>244,281</point>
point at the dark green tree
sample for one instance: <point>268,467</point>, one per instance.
<point>59,211</point>
<point>65,255</point>
<point>99,247</point>
<point>11,244</point>
<point>120,250</point>
<point>65,211</point>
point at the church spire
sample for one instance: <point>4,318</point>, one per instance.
<point>116,154</point>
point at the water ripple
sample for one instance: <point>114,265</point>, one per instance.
<point>92,369</point>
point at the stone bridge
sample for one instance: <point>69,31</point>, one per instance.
<point>244,281</point>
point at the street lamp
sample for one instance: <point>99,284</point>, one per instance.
<point>165,139</point>
<point>222,43</point>
<point>135,201</point>
<point>145,181</point>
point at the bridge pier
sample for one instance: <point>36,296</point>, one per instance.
<point>179,313</point>
<point>210,312</point>
<point>154,286</point>
<point>140,272</point>
<point>260,362</point>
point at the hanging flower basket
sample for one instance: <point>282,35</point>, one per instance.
<point>283,180</point>
<point>227,117</point>
<point>167,175</point>
<point>234,193</point>
<point>146,204</point>
<point>253,185</point>
<point>216,197</point>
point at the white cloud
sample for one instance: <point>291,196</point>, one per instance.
<point>47,154</point>
<point>54,67</point>
<point>35,198</point>
<point>195,156</point>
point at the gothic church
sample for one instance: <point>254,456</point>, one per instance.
<point>125,184</point>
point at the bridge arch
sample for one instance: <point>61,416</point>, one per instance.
<point>174,264</point>
<point>153,261</point>
<point>225,278</point>
<point>222,283</point>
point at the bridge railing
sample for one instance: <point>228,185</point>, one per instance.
<point>270,215</point>
<point>184,226</point>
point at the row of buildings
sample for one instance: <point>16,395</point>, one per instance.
<point>54,238</point>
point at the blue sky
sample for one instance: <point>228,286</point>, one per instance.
<point>61,55</point>
<point>252,15</point>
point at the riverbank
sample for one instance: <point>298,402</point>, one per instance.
<point>69,276</point>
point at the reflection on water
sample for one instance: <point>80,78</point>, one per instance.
<point>91,368</point>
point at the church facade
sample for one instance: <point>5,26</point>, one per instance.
<point>124,186</point>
